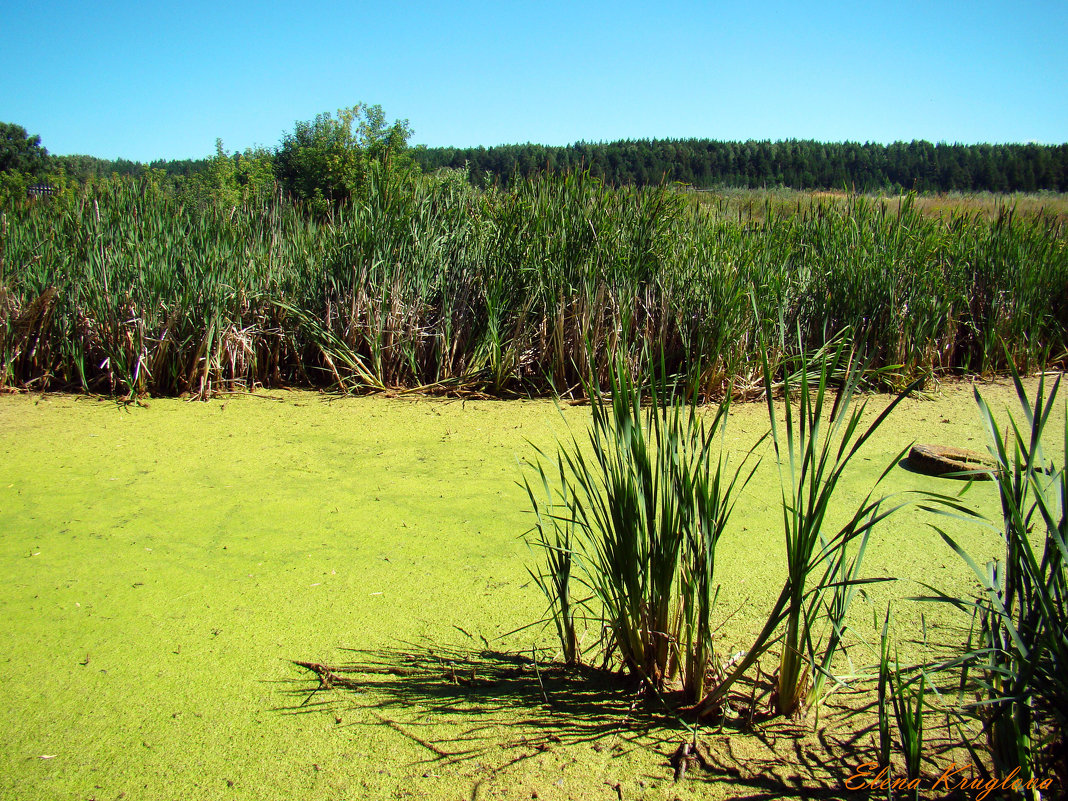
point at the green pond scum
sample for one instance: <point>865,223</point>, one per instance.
<point>165,565</point>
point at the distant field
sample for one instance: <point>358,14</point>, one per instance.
<point>984,205</point>
<point>165,565</point>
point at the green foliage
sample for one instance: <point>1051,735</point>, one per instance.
<point>801,164</point>
<point>1019,666</point>
<point>885,690</point>
<point>255,174</point>
<point>901,699</point>
<point>638,525</point>
<point>13,187</point>
<point>218,182</point>
<point>23,161</point>
<point>328,160</point>
<point>431,282</point>
<point>554,534</point>
<point>907,695</point>
<point>20,152</point>
<point>230,180</point>
<point>823,567</point>
<point>87,169</point>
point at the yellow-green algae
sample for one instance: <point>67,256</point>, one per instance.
<point>163,565</point>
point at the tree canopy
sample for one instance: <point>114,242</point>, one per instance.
<point>328,160</point>
<point>20,152</point>
<point>22,161</point>
<point>799,164</point>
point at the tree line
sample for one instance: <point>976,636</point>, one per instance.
<point>326,160</point>
<point>706,164</point>
<point>799,164</point>
<point>320,163</point>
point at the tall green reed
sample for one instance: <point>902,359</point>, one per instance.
<point>1018,665</point>
<point>635,519</point>
<point>429,283</point>
<point>814,449</point>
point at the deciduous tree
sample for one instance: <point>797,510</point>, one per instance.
<point>327,161</point>
<point>20,152</point>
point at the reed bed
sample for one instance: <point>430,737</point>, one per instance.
<point>430,284</point>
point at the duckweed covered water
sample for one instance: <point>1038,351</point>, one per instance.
<point>164,566</point>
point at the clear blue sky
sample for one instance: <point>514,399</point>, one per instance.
<point>162,80</point>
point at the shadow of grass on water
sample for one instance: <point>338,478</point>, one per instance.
<point>460,704</point>
<point>500,709</point>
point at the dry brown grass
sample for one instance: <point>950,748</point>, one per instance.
<point>754,203</point>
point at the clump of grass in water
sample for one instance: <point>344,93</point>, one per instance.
<point>641,521</point>
<point>1019,666</point>
<point>637,525</point>
<point>823,568</point>
<point>896,695</point>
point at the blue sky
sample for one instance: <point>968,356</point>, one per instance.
<point>163,80</point>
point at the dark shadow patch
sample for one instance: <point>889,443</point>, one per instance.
<point>497,710</point>
<point>972,475</point>
<point>479,695</point>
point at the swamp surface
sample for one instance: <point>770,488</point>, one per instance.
<point>164,566</point>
